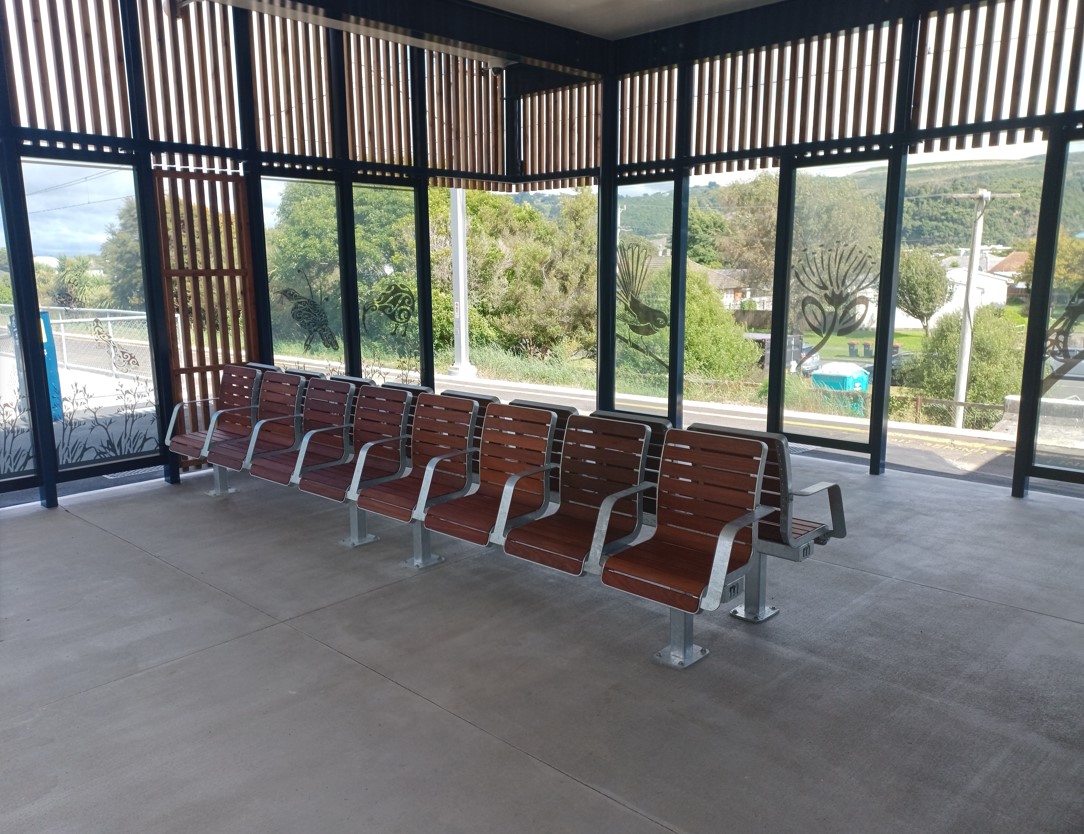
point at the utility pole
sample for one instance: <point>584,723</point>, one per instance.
<point>460,319</point>
<point>963,366</point>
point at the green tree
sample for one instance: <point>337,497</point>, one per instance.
<point>1068,267</point>
<point>715,347</point>
<point>707,230</point>
<point>924,286</point>
<point>121,259</point>
<point>997,360</point>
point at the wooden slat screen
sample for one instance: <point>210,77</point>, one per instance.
<point>66,66</point>
<point>189,67</point>
<point>291,77</point>
<point>465,106</point>
<point>647,113</point>
<point>377,101</point>
<point>839,85</point>
<point>983,62</point>
<point>560,131</point>
<point>206,276</point>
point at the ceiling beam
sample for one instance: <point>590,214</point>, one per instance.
<point>456,26</point>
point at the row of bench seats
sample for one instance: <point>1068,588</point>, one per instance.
<point>564,490</point>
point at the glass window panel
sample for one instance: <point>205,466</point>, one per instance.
<point>728,304</point>
<point>1061,411</point>
<point>16,446</point>
<point>89,277</point>
<point>303,274</point>
<point>645,221</point>
<point>937,423</point>
<point>835,266</point>
<point>387,274</point>
<point>530,295</point>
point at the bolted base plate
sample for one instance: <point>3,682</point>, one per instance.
<point>679,659</point>
<point>349,542</point>
<point>427,561</point>
<point>739,612</point>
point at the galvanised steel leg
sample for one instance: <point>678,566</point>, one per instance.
<point>424,557</point>
<point>222,481</point>
<point>359,530</point>
<point>682,652</point>
<point>756,608</point>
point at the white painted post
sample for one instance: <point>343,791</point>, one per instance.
<point>460,325</point>
<point>963,367</point>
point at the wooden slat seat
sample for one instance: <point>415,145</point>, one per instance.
<point>708,504</point>
<point>657,426</point>
<point>601,460</point>
<point>197,425</point>
<point>325,429</point>
<point>513,479</point>
<point>379,423</point>
<point>562,412</point>
<point>439,465</point>
<point>781,534</point>
<point>277,428</point>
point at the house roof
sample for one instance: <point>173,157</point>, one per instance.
<point>1012,264</point>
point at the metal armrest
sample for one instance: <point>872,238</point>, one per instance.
<point>838,528</point>
<point>247,462</point>
<point>177,410</point>
<point>363,454</point>
<point>207,444</point>
<point>499,529</point>
<point>712,597</point>
<point>602,524</point>
<point>427,482</point>
<point>348,452</point>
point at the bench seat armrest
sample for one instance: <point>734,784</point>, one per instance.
<point>363,455</point>
<point>838,528</point>
<point>500,529</point>
<point>256,434</point>
<point>594,561</point>
<point>177,411</point>
<point>427,481</point>
<point>295,477</point>
<point>712,597</point>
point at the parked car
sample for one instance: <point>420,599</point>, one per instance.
<point>901,363</point>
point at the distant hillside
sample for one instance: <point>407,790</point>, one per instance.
<point>932,215</point>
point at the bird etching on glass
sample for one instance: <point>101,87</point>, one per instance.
<point>632,271</point>
<point>1057,339</point>
<point>395,301</point>
<point>311,318</point>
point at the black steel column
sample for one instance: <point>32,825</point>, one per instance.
<point>606,373</point>
<point>25,291</point>
<point>344,203</point>
<point>420,148</point>
<point>784,236</point>
<point>149,233</point>
<point>246,119</point>
<point>891,236</point>
<point>1042,280</point>
<point>679,255</point>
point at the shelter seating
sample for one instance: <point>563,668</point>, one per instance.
<point>657,426</point>
<point>512,483</point>
<point>600,509</point>
<point>440,435</point>
<point>231,418</point>
<point>782,534</point>
<point>278,414</point>
<point>705,534</point>
<point>325,428</point>
<point>484,402</point>
<point>378,454</point>
<point>563,413</point>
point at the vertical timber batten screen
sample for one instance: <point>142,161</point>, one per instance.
<point>465,106</point>
<point>647,113</point>
<point>191,84</point>
<point>65,64</point>
<point>560,132</point>
<point>822,88</point>
<point>378,118</point>
<point>292,103</point>
<point>206,279</point>
<point>982,62</point>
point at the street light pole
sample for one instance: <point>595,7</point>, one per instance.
<point>963,367</point>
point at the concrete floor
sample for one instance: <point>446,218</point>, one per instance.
<point>171,662</point>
